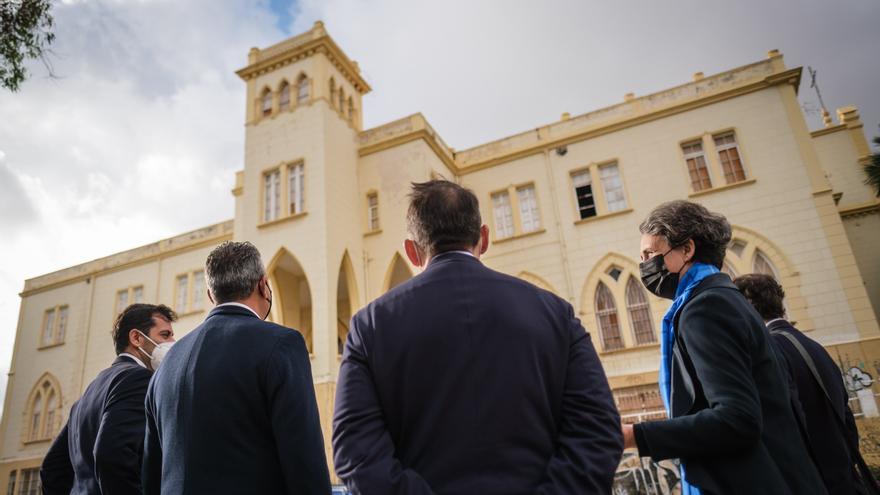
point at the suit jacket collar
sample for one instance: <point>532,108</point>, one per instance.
<point>780,325</point>
<point>231,310</point>
<point>717,280</point>
<point>124,360</point>
<point>450,257</point>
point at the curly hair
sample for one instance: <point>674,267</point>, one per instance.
<point>677,221</point>
<point>764,293</point>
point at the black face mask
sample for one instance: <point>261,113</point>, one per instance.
<point>657,278</point>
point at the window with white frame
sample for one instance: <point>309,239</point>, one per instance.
<point>189,292</point>
<point>612,186</point>
<point>728,153</point>
<point>528,208</point>
<point>295,188</point>
<point>698,171</point>
<point>131,295</point>
<point>503,214</point>
<point>583,190</point>
<point>373,211</point>
<point>271,195</point>
<point>54,326</point>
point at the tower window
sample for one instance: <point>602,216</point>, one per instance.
<point>284,98</point>
<point>302,90</point>
<point>266,102</point>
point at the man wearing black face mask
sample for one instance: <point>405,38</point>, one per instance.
<point>730,417</point>
<point>233,409</point>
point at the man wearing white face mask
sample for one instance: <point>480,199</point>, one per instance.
<point>100,448</point>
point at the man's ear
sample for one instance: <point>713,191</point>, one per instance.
<point>135,338</point>
<point>211,297</point>
<point>484,239</point>
<point>412,252</point>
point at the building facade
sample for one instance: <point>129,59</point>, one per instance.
<point>324,200</point>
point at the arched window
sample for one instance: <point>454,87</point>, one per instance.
<point>341,99</point>
<point>763,265</point>
<point>332,92</point>
<point>606,314</point>
<point>266,103</point>
<point>43,411</point>
<point>639,313</point>
<point>36,416</point>
<point>302,90</point>
<point>350,108</point>
<point>284,97</point>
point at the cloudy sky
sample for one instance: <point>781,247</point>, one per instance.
<point>137,136</point>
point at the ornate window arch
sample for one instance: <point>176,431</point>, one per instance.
<point>43,413</point>
<point>341,100</point>
<point>639,312</point>
<point>265,103</point>
<point>608,319</point>
<point>284,96</point>
<point>751,252</point>
<point>615,281</point>
<point>303,89</point>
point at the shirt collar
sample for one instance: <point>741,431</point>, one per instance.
<point>138,361</point>
<point>240,305</point>
<point>774,320</point>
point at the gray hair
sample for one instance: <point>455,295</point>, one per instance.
<point>677,221</point>
<point>233,270</point>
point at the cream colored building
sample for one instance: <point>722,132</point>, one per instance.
<point>324,200</point>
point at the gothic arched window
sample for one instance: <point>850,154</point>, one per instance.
<point>302,90</point>
<point>606,314</point>
<point>266,103</point>
<point>284,97</point>
<point>44,410</point>
<point>639,313</point>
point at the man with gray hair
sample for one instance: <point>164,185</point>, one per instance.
<point>233,409</point>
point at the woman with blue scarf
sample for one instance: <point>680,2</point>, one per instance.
<point>730,419</point>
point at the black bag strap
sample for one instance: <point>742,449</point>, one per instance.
<point>865,473</point>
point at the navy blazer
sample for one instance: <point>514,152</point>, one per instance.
<point>232,410</point>
<point>99,449</point>
<point>465,380</point>
<point>732,425</point>
<point>829,439</point>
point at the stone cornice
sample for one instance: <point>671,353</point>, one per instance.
<point>863,209</point>
<point>315,41</point>
<point>636,111</point>
<point>139,255</point>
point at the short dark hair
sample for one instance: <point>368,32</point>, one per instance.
<point>679,220</point>
<point>764,293</point>
<point>443,216</point>
<point>233,270</point>
<point>138,316</point>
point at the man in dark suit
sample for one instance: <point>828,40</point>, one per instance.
<point>99,449</point>
<point>233,408</point>
<point>465,380</point>
<point>830,425</point>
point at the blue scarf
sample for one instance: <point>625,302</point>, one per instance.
<point>692,278</point>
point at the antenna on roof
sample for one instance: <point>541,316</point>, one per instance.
<point>826,117</point>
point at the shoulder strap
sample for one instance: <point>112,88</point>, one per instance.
<point>867,477</point>
<point>810,364</point>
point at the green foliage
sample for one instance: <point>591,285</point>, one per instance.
<point>24,34</point>
<point>872,170</point>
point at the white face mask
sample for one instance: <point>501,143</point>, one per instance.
<point>159,351</point>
